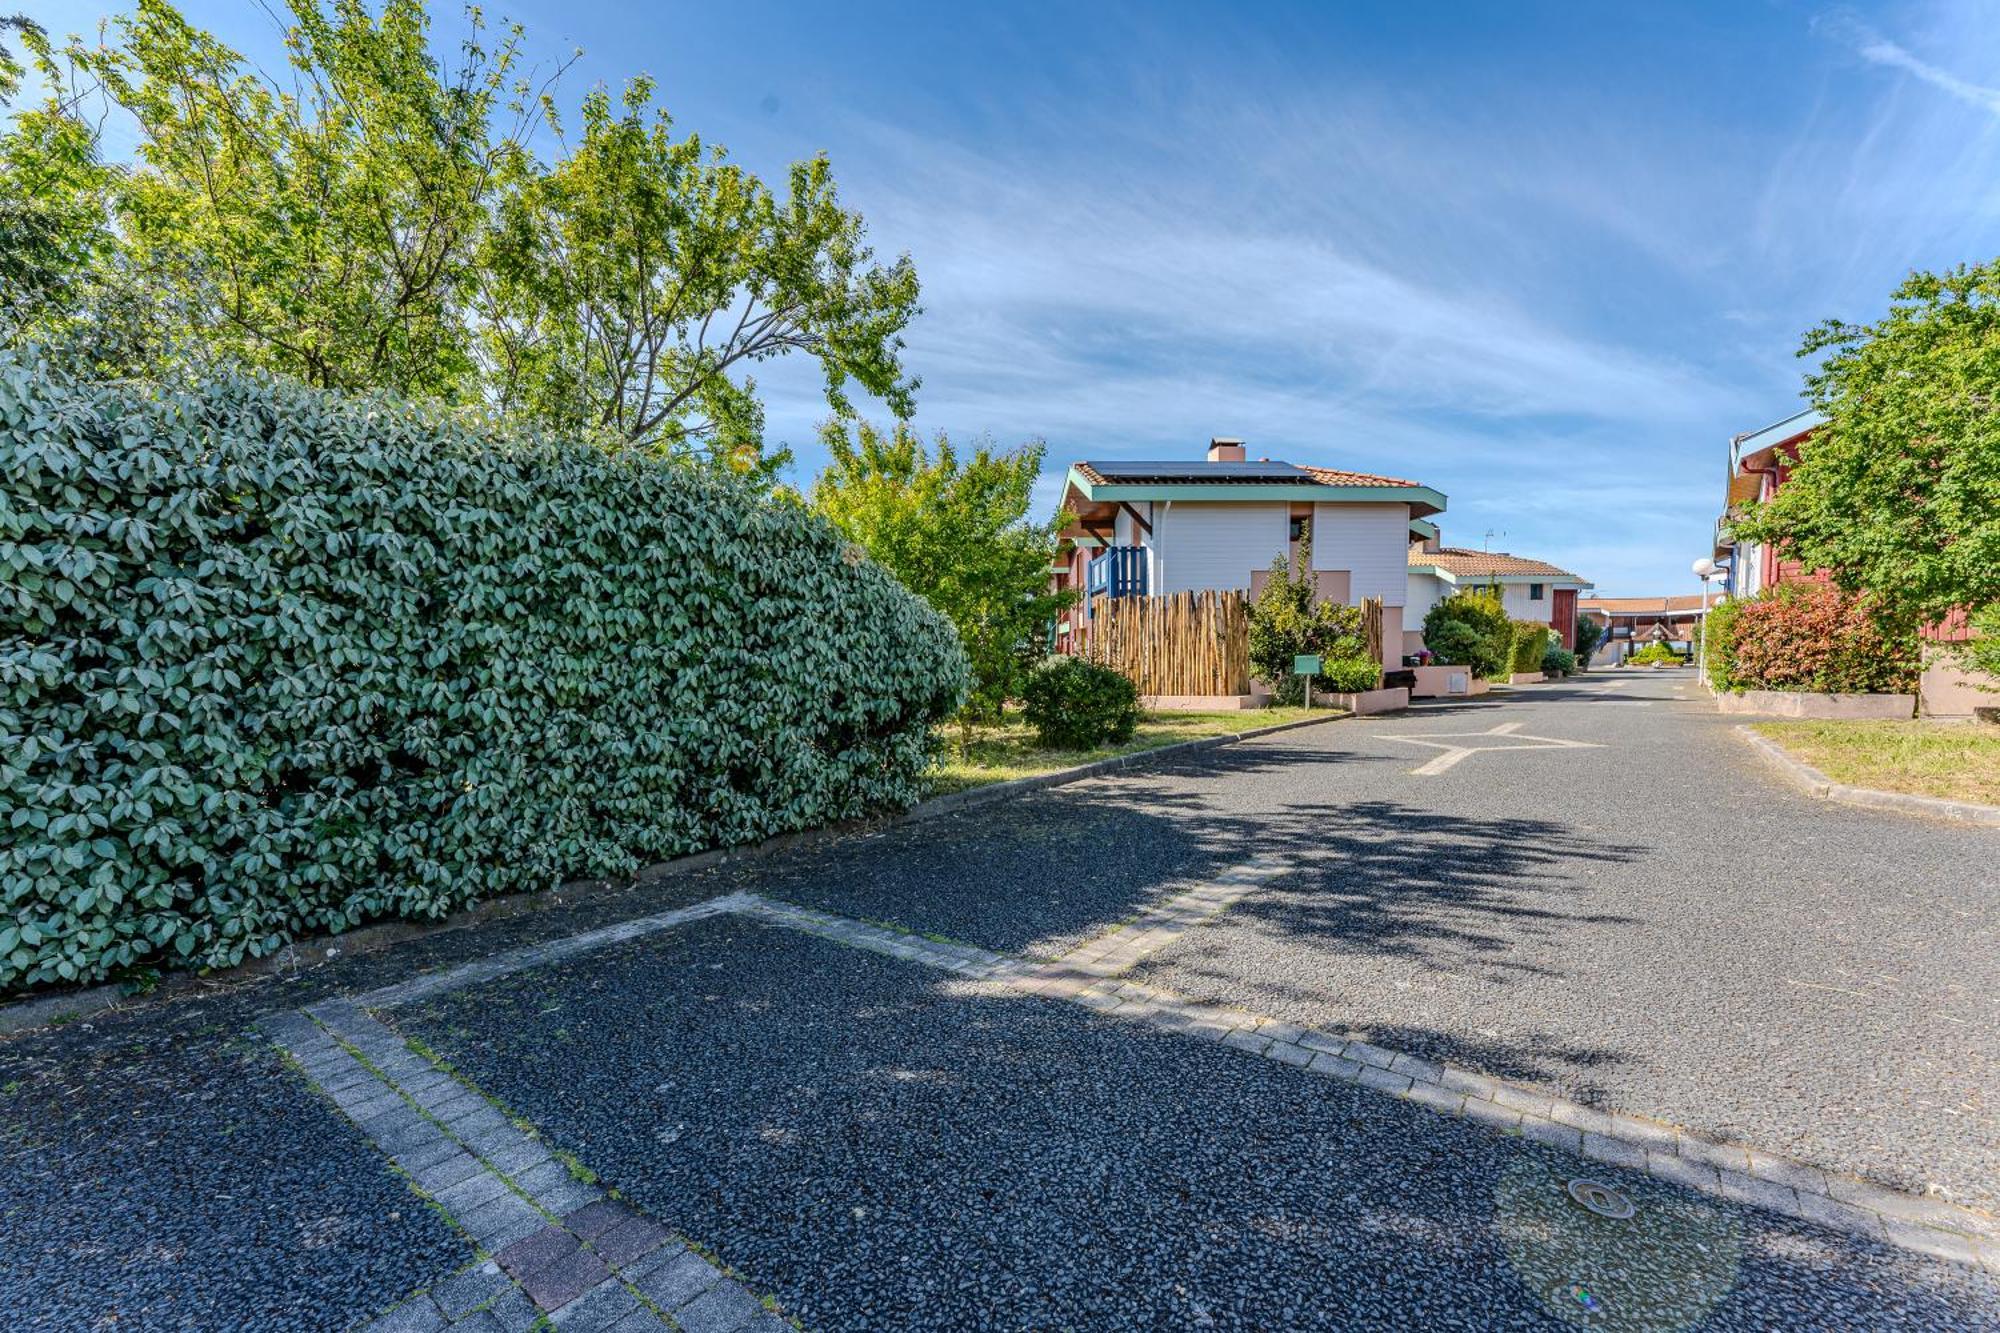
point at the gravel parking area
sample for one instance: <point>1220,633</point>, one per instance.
<point>1037,875</point>
<point>882,1145</point>
<point>185,1179</point>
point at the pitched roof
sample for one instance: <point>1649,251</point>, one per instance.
<point>1330,476</point>
<point>1108,471</point>
<point>1462,563</point>
<point>1641,605</point>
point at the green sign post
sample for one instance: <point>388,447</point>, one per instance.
<point>1307,665</point>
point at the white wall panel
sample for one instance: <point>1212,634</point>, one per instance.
<point>1206,545</point>
<point>1371,542</point>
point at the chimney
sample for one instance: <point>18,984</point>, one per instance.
<point>1222,450</point>
<point>1435,544</point>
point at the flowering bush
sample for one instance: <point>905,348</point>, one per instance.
<point>1816,637</point>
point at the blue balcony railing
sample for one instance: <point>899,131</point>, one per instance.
<point>1119,572</point>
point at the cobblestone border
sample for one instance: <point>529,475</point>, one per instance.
<point>1819,784</point>
<point>549,1245</point>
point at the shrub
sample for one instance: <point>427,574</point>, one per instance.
<point>1717,641</point>
<point>1589,633</point>
<point>1288,620</point>
<point>1655,654</point>
<point>1470,629</point>
<point>1077,705</point>
<point>1350,675</point>
<point>1530,644</point>
<point>276,661</point>
<point>1815,637</point>
<point>1558,661</point>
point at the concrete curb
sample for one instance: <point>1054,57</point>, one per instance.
<point>1819,784</point>
<point>69,1006</point>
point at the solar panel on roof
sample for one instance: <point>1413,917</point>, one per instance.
<point>1127,470</point>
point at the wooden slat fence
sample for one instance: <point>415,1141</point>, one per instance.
<point>1186,643</point>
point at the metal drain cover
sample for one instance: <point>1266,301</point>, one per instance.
<point>1601,1199</point>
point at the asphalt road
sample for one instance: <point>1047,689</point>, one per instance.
<point>1646,918</point>
<point>1660,924</point>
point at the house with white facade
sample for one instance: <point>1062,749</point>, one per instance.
<point>1529,589</point>
<point>1217,523</point>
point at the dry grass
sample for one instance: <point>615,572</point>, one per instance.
<point>1957,761</point>
<point>1009,750</point>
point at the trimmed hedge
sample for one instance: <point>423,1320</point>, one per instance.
<point>275,661</point>
<point>1530,643</point>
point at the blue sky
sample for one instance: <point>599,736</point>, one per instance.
<point>1544,257</point>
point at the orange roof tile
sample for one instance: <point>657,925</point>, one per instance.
<point>1463,563</point>
<point>1641,605</point>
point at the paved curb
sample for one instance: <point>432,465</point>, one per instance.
<point>68,1006</point>
<point>1819,784</point>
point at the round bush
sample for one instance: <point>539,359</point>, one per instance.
<point>1077,705</point>
<point>1470,629</point>
<point>275,661</point>
<point>1558,661</point>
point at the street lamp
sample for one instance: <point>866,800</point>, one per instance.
<point>1707,571</point>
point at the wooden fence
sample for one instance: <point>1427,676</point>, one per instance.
<point>1186,643</point>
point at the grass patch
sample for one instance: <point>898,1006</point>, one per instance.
<point>1956,761</point>
<point>1009,750</point>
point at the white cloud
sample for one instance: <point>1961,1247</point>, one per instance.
<point>1874,47</point>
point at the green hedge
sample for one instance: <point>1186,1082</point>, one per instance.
<point>1530,643</point>
<point>275,661</point>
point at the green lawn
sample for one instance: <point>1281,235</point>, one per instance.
<point>1009,750</point>
<point>1958,761</point>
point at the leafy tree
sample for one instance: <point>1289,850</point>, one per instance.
<point>325,226</point>
<point>1898,494</point>
<point>11,68</point>
<point>373,217</point>
<point>1288,619</point>
<point>1589,633</point>
<point>628,279</point>
<point>955,531</point>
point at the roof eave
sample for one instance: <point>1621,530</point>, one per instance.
<point>1422,500</point>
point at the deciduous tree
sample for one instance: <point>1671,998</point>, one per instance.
<point>1898,494</point>
<point>956,531</point>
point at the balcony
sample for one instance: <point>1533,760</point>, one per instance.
<point>1119,572</point>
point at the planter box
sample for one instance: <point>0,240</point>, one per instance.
<point>1201,703</point>
<point>1370,701</point>
<point>1804,703</point>
<point>1526,678</point>
<point>1436,682</point>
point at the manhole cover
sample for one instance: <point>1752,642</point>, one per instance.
<point>1601,1199</point>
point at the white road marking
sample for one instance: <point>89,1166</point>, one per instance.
<point>1455,754</point>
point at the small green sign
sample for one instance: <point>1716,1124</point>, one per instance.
<point>1306,664</point>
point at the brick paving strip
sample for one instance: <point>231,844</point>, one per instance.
<point>550,1244</point>
<point>554,1246</point>
<point>1780,1184</point>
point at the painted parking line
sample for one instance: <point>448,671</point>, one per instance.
<point>1508,732</point>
